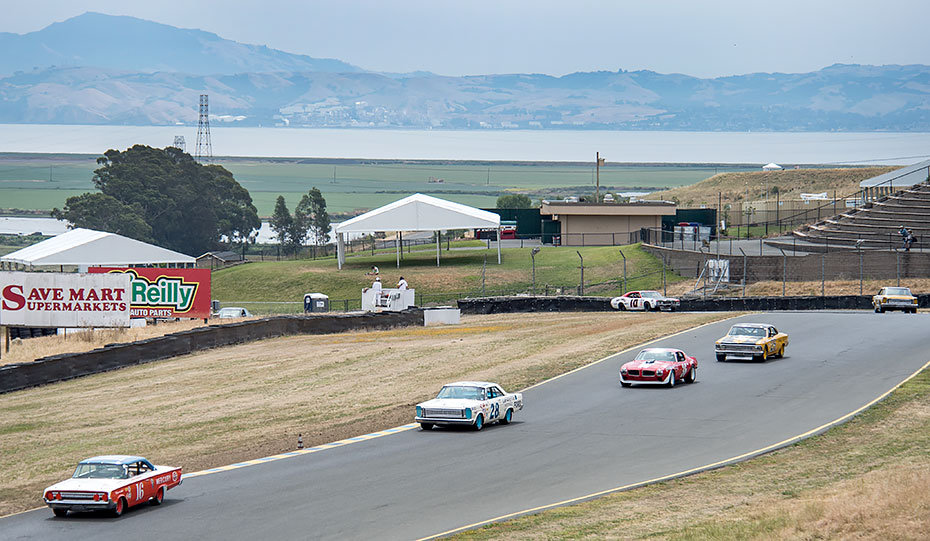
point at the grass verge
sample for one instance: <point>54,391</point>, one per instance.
<point>557,267</point>
<point>242,402</point>
<point>866,479</point>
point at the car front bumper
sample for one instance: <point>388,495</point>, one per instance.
<point>444,421</point>
<point>78,506</point>
<point>645,380</point>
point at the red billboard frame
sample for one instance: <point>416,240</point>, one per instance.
<point>165,293</point>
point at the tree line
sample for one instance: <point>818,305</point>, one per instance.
<point>310,221</point>
<point>165,197</point>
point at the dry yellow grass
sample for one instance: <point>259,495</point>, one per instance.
<point>30,349</point>
<point>836,287</point>
<point>242,402</point>
<point>791,183</point>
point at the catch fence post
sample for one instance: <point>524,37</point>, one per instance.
<point>784,271</point>
<point>744,271</point>
<point>859,249</point>
<point>581,285</point>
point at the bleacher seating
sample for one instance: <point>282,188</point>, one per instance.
<point>875,225</point>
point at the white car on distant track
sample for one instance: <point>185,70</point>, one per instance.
<point>644,300</point>
<point>474,403</point>
<point>233,312</point>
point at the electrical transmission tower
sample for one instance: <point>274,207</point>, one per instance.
<point>179,143</point>
<point>204,151</point>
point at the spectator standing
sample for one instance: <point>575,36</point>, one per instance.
<point>906,237</point>
<point>402,284</point>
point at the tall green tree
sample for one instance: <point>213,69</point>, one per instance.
<point>319,218</point>
<point>105,213</point>
<point>514,201</point>
<point>188,207</point>
<point>281,222</point>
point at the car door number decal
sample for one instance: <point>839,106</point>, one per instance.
<point>494,411</point>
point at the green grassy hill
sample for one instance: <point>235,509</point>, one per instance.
<point>459,274</point>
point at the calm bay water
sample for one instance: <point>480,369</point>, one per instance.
<point>516,145</point>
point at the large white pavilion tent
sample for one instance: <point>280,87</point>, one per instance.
<point>418,212</point>
<point>88,248</point>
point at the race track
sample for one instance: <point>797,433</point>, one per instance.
<point>578,435</point>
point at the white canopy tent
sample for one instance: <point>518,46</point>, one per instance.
<point>418,212</point>
<point>772,167</point>
<point>89,248</point>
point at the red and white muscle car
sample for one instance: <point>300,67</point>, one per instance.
<point>659,366</point>
<point>644,300</point>
<point>112,483</point>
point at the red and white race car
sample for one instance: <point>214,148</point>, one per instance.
<point>659,366</point>
<point>644,300</point>
<point>112,483</point>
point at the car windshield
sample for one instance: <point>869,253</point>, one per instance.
<point>746,331</point>
<point>101,471</point>
<point>897,291</point>
<point>655,355</point>
<point>651,294</point>
<point>461,391</point>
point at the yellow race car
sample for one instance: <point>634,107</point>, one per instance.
<point>751,342</point>
<point>894,298</point>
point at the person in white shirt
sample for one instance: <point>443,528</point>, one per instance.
<point>402,284</point>
<point>377,285</point>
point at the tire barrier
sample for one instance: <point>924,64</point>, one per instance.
<point>523,303</point>
<point>503,305</point>
<point>31,332</point>
<point>14,377</point>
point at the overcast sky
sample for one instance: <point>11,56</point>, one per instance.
<point>702,38</point>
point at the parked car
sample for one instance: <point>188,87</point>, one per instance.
<point>112,483</point>
<point>231,312</point>
<point>894,298</point>
<point>659,366</point>
<point>644,300</point>
<point>751,342</point>
<point>474,403</point>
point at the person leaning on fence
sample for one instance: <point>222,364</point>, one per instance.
<point>907,238</point>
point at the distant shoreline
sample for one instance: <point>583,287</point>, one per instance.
<point>63,156</point>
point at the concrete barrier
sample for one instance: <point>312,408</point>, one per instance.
<point>54,368</point>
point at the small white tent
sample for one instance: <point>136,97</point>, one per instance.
<point>417,212</point>
<point>771,167</point>
<point>89,248</point>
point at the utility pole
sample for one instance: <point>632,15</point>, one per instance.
<point>597,189</point>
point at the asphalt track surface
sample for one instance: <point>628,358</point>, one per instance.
<point>578,435</point>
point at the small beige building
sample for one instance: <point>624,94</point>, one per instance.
<point>605,224</point>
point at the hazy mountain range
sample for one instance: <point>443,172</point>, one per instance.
<point>101,69</point>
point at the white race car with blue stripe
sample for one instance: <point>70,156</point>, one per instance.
<point>474,403</point>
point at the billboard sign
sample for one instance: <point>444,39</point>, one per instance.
<point>53,299</point>
<point>168,293</point>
